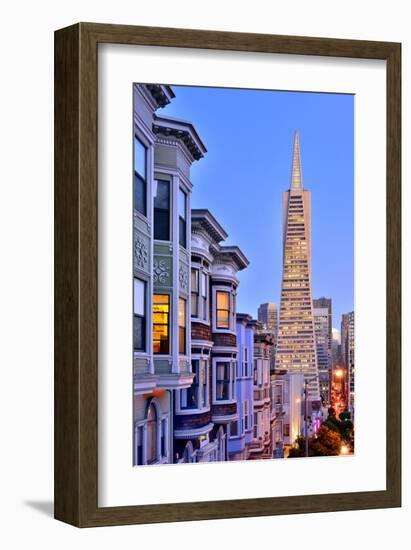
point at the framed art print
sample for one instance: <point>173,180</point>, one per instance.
<point>227,303</point>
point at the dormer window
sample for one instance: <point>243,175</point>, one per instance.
<point>140,176</point>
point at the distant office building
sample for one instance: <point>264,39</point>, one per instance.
<point>267,315</point>
<point>287,421</point>
<point>321,324</point>
<point>335,347</point>
<point>296,349</point>
<point>348,353</point>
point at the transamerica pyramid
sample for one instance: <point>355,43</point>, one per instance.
<point>296,349</point>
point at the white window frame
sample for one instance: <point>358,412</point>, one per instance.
<point>231,382</point>
<point>202,316</point>
<point>231,314</point>
<point>178,394</point>
<point>160,459</point>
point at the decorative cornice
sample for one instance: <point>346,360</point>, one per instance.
<point>180,130</point>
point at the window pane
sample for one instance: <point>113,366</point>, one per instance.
<point>182,229</point>
<point>204,285</point>
<point>139,435</point>
<point>163,437</point>
<point>194,305</point>
<point>161,225</point>
<point>139,297</point>
<point>181,326</point>
<point>223,300</point>
<point>223,381</point>
<point>140,195</point>
<point>139,333</point>
<point>162,211</point>
<point>194,280</point>
<point>161,311</point>
<point>181,312</point>
<point>162,198</point>
<point>182,200</point>
<point>222,319</point>
<point>151,434</point>
<point>140,158</point>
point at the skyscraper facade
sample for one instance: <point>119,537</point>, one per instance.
<point>267,314</point>
<point>323,351</point>
<point>268,318</point>
<point>348,353</point>
<point>296,347</point>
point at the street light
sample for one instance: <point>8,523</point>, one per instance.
<point>344,450</point>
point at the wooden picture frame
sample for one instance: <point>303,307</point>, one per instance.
<point>76,314</point>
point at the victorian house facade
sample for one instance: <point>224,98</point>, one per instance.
<point>164,150</point>
<point>261,444</point>
<point>205,412</point>
<point>241,431</point>
<point>184,294</point>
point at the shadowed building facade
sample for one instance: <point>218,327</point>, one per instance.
<point>296,346</point>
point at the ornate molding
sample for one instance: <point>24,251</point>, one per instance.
<point>161,271</point>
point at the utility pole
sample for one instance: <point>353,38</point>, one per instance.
<point>306,417</point>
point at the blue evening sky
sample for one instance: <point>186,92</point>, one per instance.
<point>249,139</point>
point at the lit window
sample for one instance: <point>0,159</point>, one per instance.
<point>139,326</point>
<point>223,309</point>
<point>182,222</point>
<point>181,326</point>
<point>140,177</point>
<point>162,211</point>
<point>161,314</point>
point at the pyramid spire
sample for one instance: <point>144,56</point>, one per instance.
<point>296,172</point>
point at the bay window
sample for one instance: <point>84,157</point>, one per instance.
<point>161,323</point>
<point>140,177</point>
<point>139,325</point>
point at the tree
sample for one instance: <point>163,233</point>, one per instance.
<point>327,443</point>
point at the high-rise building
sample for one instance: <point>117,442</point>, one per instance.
<point>321,324</point>
<point>336,347</point>
<point>326,303</point>
<point>296,348</point>
<point>268,319</point>
<point>267,314</point>
<point>348,353</point>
